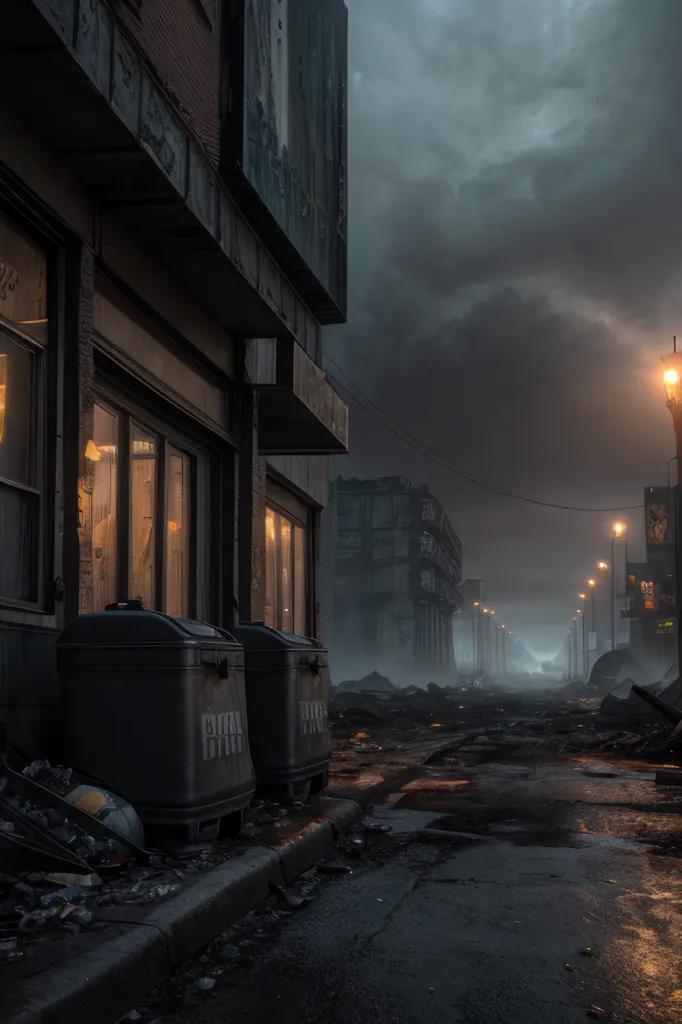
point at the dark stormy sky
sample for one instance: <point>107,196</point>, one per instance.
<point>516,271</point>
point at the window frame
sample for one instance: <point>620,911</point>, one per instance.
<point>50,374</point>
<point>306,524</point>
<point>167,437</point>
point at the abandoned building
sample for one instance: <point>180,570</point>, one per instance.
<point>398,575</point>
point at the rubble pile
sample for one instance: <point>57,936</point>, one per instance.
<point>69,851</point>
<point>373,704</point>
<point>485,717</point>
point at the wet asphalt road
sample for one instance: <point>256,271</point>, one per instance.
<point>485,930</point>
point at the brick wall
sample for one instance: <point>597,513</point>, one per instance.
<point>181,40</point>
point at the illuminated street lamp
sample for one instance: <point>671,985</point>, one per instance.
<point>592,584</point>
<point>618,531</point>
<point>672,379</point>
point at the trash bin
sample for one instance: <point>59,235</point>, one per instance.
<point>154,708</point>
<point>288,693</point>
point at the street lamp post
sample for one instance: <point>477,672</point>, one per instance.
<point>475,645</point>
<point>583,612</point>
<point>603,567</point>
<point>591,584</point>
<point>618,530</point>
<point>672,378</point>
<point>485,645</point>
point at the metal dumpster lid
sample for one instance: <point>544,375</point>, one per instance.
<point>130,624</point>
<point>256,636</point>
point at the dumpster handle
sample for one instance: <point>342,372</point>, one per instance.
<point>223,632</point>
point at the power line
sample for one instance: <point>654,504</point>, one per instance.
<point>408,438</point>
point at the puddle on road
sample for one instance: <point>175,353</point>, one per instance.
<point>568,802</point>
<point>434,785</point>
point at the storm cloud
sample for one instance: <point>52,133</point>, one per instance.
<point>515,270</point>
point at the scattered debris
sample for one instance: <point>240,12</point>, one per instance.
<point>376,826</point>
<point>289,900</point>
<point>204,984</point>
<point>334,867</point>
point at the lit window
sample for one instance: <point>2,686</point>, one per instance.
<point>142,516</point>
<point>650,594</point>
<point>177,534</point>
<point>98,514</point>
<point>23,274</point>
<point>156,518</point>
<point>285,574</point>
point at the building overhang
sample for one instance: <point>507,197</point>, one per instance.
<point>299,413</point>
<point>71,73</point>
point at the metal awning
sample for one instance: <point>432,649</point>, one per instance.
<point>298,410</point>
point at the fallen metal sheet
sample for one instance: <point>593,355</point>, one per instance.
<point>674,715</point>
<point>43,797</point>
<point>30,855</point>
<point>34,833</point>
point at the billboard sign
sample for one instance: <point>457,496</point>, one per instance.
<point>658,519</point>
<point>284,138</point>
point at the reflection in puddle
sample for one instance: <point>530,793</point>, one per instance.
<point>434,784</point>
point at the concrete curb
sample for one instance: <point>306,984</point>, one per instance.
<point>106,981</point>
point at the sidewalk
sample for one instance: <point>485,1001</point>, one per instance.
<point>96,977</point>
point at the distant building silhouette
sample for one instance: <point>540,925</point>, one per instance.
<point>398,575</point>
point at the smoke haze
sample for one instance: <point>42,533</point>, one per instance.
<point>515,264</point>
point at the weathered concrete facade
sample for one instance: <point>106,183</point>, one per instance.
<point>156,286</point>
